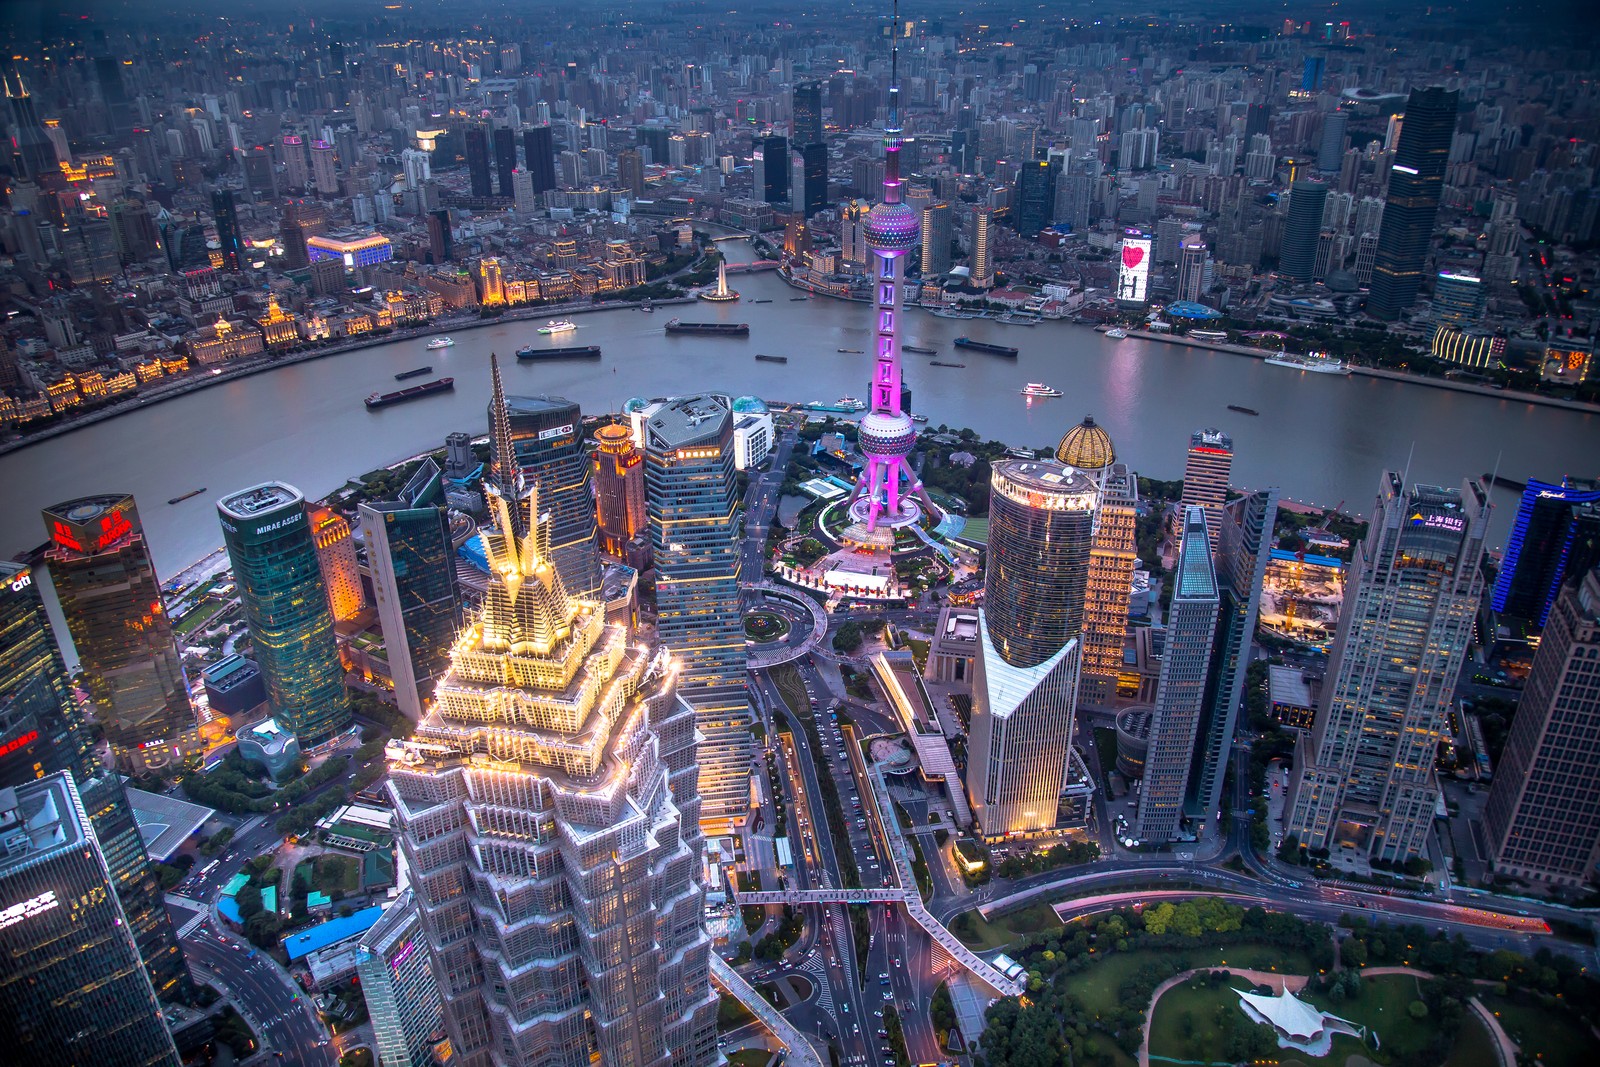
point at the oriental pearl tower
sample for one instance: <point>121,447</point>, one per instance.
<point>888,491</point>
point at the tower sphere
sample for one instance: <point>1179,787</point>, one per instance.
<point>892,229</point>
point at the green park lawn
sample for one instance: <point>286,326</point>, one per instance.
<point>1097,987</point>
<point>1555,1037</point>
<point>989,935</point>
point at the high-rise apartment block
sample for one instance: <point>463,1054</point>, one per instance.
<point>1416,183</point>
<point>336,557</point>
<point>275,564</point>
<point>1030,635</point>
<point>396,971</point>
<point>937,230</point>
<point>1181,691</point>
<point>1542,820</point>
<point>980,246</point>
<point>546,808</point>
<point>1206,471</point>
<point>412,561</point>
<point>42,731</point>
<point>1365,786</point>
<point>111,599</point>
<point>693,499</point>
<point>73,987</point>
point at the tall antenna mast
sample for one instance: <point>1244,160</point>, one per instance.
<point>892,132</point>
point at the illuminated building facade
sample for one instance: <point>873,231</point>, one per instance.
<point>1469,349</point>
<point>221,342</point>
<point>43,731</point>
<point>274,560</point>
<point>1030,633</point>
<point>1112,556</point>
<point>981,239</point>
<point>491,282</point>
<point>546,808</point>
<point>1133,273</point>
<point>1556,534</point>
<point>74,989</point>
<point>1542,819</point>
<point>412,561</point>
<point>1416,181</point>
<point>1181,692</point>
<point>336,558</point>
<point>353,251</point>
<point>111,600</point>
<point>1365,785</point>
<point>396,972</point>
<point>544,435</point>
<point>279,328</point>
<point>1206,471</point>
<point>1459,299</point>
<point>692,494</point>
<point>620,512</point>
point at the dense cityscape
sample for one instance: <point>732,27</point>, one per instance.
<point>596,690</point>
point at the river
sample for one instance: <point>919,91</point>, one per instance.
<point>1320,438</point>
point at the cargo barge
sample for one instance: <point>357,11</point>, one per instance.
<point>985,346</point>
<point>715,329</point>
<point>574,352</point>
<point>438,385</point>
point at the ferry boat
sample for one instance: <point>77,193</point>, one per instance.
<point>1315,362</point>
<point>415,372</point>
<point>1215,336</point>
<point>716,329</point>
<point>439,342</point>
<point>575,352</point>
<point>919,419</point>
<point>1040,389</point>
<point>646,308</point>
<point>186,496</point>
<point>558,326</point>
<point>850,403</point>
<point>771,359</point>
<point>985,346</point>
<point>919,350</point>
<point>383,400</point>
<point>1116,333</point>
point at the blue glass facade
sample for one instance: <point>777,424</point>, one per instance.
<point>1539,552</point>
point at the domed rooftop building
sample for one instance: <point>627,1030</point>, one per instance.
<point>633,404</point>
<point>1087,446</point>
<point>749,405</point>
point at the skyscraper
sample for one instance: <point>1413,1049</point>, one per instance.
<point>1193,261</point>
<point>693,498</point>
<point>291,629</point>
<point>324,173</point>
<point>1542,819</point>
<point>111,600</point>
<point>31,152</point>
<point>807,127</point>
<point>1206,471</point>
<point>619,497</point>
<point>227,220</point>
<point>546,441</point>
<point>1181,691</point>
<point>1036,197</point>
<point>1244,544</point>
<point>1556,534</point>
<point>336,558</point>
<point>936,233</point>
<point>1112,556</point>
<point>546,809</point>
<point>478,172</point>
<point>1297,257</point>
<point>1416,180</point>
<point>630,171</point>
<point>772,170</point>
<point>73,986</point>
<point>811,165</point>
<point>439,250</point>
<point>539,156</point>
<point>1459,299</point>
<point>1365,786</point>
<point>397,982</point>
<point>505,157</point>
<point>42,731</point>
<point>1330,154</point>
<point>412,561</point>
<point>1030,628</point>
<point>981,267</point>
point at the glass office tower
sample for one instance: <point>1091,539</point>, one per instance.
<point>73,988</point>
<point>413,568</point>
<point>43,731</point>
<point>693,499</point>
<point>546,808</point>
<point>111,598</point>
<point>547,440</point>
<point>1416,181</point>
<point>1030,633</point>
<point>1556,533</point>
<point>291,629</point>
<point>397,982</point>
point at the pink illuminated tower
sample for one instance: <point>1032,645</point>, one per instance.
<point>888,490</point>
